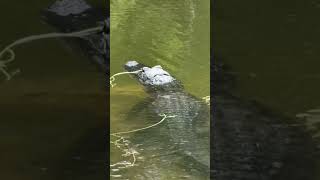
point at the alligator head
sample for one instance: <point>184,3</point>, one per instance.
<point>154,79</point>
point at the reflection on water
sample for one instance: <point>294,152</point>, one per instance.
<point>273,49</point>
<point>53,112</point>
<point>174,34</point>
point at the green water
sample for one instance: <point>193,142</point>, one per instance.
<point>173,34</point>
<point>50,110</point>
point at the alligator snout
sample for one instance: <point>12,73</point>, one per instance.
<point>131,66</point>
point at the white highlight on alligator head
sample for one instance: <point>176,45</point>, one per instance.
<point>132,63</point>
<point>155,76</point>
<point>67,7</point>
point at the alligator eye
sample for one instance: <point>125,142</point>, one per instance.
<point>145,68</point>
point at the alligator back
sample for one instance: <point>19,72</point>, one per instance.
<point>190,128</point>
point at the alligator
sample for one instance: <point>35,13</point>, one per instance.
<point>188,131</point>
<point>250,142</point>
<point>76,15</point>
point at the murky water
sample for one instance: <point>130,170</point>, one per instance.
<point>273,49</point>
<point>53,112</point>
<point>175,35</point>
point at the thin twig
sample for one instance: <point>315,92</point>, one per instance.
<point>144,128</point>
<point>112,78</point>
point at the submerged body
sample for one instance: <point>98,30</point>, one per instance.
<point>249,142</point>
<point>189,130</point>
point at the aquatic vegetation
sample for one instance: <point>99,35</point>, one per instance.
<point>124,145</point>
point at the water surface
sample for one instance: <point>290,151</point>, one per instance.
<point>175,35</point>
